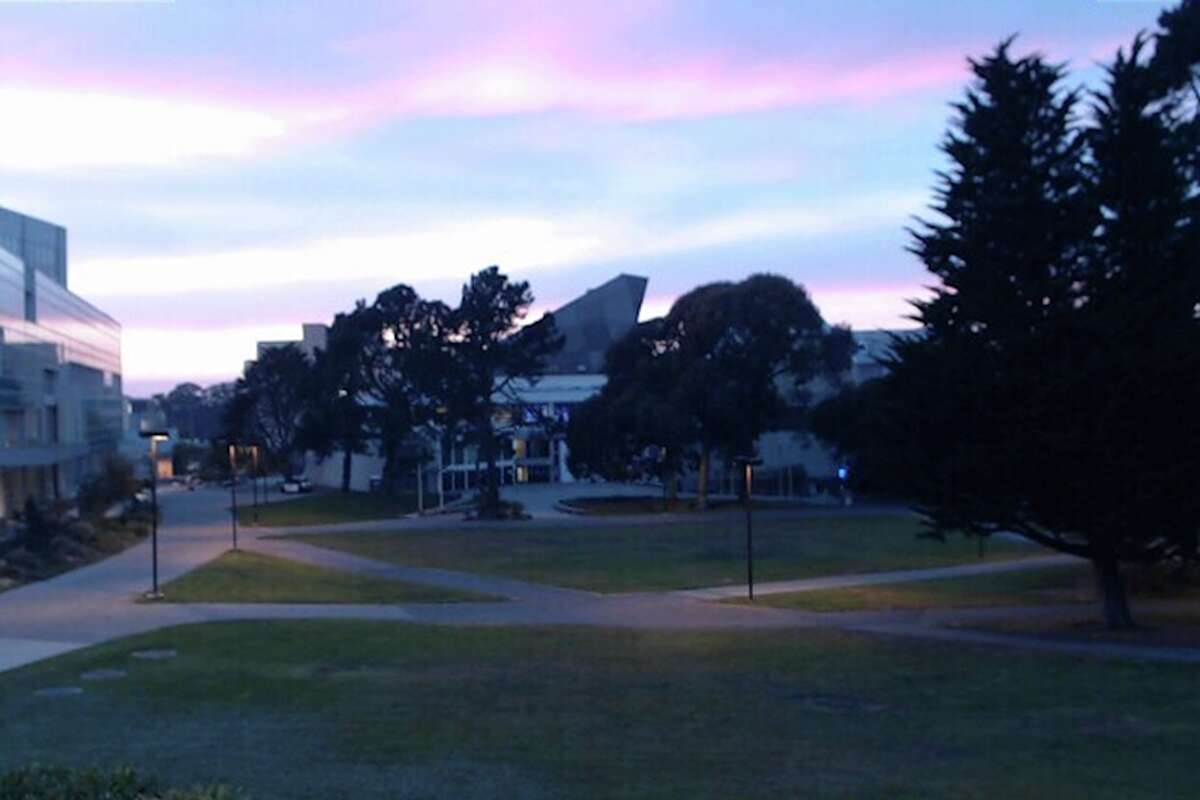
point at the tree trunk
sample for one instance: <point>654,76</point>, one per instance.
<point>702,489</point>
<point>1111,587</point>
<point>489,496</point>
<point>347,460</point>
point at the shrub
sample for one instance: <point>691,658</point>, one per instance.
<point>114,483</point>
<point>123,783</point>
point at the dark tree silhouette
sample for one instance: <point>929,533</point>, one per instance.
<point>268,403</point>
<point>482,354</point>
<point>1046,393</point>
<point>336,416</point>
<point>629,431</point>
<point>404,337</point>
<point>719,370</point>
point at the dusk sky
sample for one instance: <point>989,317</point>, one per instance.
<point>228,169</point>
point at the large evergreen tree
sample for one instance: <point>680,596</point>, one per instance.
<point>1052,390</point>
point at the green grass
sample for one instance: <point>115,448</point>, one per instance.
<point>1038,587</point>
<point>677,555</point>
<point>246,577</point>
<point>1179,627</point>
<point>321,709</point>
<point>326,508</point>
<point>1049,586</point>
<point>651,504</point>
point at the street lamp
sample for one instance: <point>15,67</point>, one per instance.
<point>254,479</point>
<point>233,491</point>
<point>155,437</point>
<point>748,463</point>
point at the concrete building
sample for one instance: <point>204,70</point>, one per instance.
<point>313,336</point>
<point>60,369</point>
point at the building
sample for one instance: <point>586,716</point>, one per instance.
<point>532,451</point>
<point>60,369</point>
<point>313,336</point>
<point>532,419</point>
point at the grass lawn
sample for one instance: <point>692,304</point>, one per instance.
<point>672,555</point>
<point>325,508</point>
<point>1179,627</point>
<point>1051,586</point>
<point>656,504</point>
<point>247,577</point>
<point>1039,587</point>
<point>313,709</point>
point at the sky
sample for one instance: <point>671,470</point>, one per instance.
<point>229,169</point>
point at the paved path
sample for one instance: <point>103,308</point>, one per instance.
<point>876,578</point>
<point>98,602</point>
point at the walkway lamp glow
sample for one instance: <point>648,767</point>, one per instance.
<point>254,480</point>
<point>155,437</point>
<point>748,463</point>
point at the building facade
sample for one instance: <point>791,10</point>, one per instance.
<point>61,407</point>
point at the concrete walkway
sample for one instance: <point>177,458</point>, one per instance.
<point>877,578</point>
<point>99,602</point>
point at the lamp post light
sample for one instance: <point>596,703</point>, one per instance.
<point>748,463</point>
<point>155,437</point>
<point>233,491</point>
<point>254,479</point>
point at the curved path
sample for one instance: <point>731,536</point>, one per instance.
<point>99,602</point>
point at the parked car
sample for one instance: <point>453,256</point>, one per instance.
<point>295,486</point>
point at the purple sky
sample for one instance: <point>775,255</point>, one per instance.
<point>228,169</point>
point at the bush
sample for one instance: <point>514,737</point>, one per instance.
<point>124,783</point>
<point>114,483</point>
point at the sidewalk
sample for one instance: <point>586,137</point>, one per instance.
<point>99,602</point>
<point>875,578</point>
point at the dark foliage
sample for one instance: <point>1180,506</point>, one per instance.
<point>124,783</point>
<point>729,362</point>
<point>1052,390</point>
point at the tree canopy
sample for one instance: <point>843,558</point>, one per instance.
<point>1051,390</point>
<point>721,368</point>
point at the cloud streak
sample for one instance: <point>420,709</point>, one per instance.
<point>437,251</point>
<point>56,129</point>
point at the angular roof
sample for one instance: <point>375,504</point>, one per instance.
<point>592,322</point>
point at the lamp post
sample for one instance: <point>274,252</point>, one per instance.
<point>233,491</point>
<point>254,479</point>
<point>155,437</point>
<point>748,463</point>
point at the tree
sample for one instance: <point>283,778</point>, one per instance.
<point>182,408</point>
<point>1045,394</point>
<point>629,431</point>
<point>405,371</point>
<point>470,361</point>
<point>335,416</point>
<point>724,366</point>
<point>268,403</point>
<point>114,482</point>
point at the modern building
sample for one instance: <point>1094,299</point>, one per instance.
<point>60,369</point>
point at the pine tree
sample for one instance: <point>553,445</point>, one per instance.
<point>1053,389</point>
